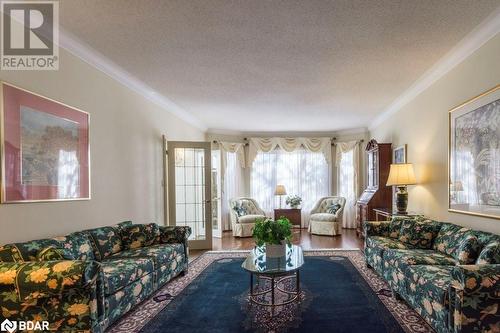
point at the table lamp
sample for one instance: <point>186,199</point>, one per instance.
<point>281,191</point>
<point>401,175</point>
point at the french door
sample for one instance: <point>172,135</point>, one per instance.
<point>189,190</point>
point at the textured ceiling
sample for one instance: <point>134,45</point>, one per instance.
<point>264,65</point>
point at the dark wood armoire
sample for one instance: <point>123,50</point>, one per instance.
<point>376,194</point>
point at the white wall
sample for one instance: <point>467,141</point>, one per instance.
<point>423,125</point>
<point>126,153</point>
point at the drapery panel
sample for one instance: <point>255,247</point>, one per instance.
<point>322,145</point>
<point>303,173</point>
<point>232,162</point>
<point>347,161</point>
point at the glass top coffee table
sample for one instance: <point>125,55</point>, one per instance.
<point>277,271</point>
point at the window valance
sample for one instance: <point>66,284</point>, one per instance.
<point>322,145</point>
<point>234,147</point>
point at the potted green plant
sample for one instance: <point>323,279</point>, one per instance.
<point>274,234</point>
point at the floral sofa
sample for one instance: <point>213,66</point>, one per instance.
<point>449,274</point>
<point>87,280</point>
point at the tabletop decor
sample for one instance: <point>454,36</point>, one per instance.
<point>294,201</point>
<point>274,234</point>
<point>401,175</point>
<point>280,191</point>
<point>45,148</point>
<point>474,142</point>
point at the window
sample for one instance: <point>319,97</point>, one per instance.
<point>302,172</point>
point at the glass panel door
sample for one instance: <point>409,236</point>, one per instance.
<point>216,194</point>
<point>189,183</point>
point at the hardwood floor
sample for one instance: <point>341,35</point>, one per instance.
<point>347,240</point>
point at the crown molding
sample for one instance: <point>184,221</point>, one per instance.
<point>481,34</point>
<point>80,49</point>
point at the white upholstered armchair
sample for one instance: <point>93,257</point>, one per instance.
<point>244,212</point>
<point>326,216</point>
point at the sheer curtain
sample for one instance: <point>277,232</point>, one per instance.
<point>303,173</point>
<point>232,186</point>
<point>348,166</point>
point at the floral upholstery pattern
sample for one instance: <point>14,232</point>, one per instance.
<point>450,295</point>
<point>428,289</point>
<point>119,273</point>
<point>85,294</point>
<point>377,228</point>
<point>160,254</point>
<point>106,241</point>
<point>476,298</point>
<point>417,234</point>
<point>66,288</point>
<point>449,238</point>
<point>490,254</point>
<point>140,235</point>
<point>54,253</point>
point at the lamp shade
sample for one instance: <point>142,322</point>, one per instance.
<point>401,174</point>
<point>280,190</point>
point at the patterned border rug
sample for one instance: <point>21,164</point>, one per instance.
<point>409,320</point>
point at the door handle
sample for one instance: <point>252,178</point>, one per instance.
<point>208,201</point>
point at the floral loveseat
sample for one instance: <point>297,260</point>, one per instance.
<point>87,280</point>
<point>449,274</point>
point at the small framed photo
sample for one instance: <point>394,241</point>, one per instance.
<point>44,148</point>
<point>474,156</point>
<point>399,155</point>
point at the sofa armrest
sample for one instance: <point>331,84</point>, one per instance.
<point>38,279</point>
<point>372,228</point>
<point>474,298</point>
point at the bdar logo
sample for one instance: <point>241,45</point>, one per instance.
<point>8,326</point>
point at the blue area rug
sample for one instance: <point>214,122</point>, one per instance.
<point>335,298</point>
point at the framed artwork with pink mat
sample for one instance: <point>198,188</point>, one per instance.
<point>45,152</point>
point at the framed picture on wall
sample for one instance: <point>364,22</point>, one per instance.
<point>399,155</point>
<point>474,156</point>
<point>44,148</point>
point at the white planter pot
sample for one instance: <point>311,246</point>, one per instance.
<point>275,251</point>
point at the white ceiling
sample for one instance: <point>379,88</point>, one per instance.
<point>262,65</point>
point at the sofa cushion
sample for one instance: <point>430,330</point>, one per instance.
<point>106,240</point>
<point>119,273</point>
<point>250,218</point>
<point>323,217</point>
<point>54,253</point>
<point>468,250</point>
<point>10,253</point>
<point>417,257</point>
<point>449,239</point>
<point>385,242</point>
<point>490,254</point>
<point>428,287</point>
<point>161,254</point>
<point>333,208</point>
<point>140,235</point>
<point>77,243</point>
<point>417,234</point>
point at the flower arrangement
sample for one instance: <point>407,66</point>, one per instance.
<point>272,232</point>
<point>293,200</point>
